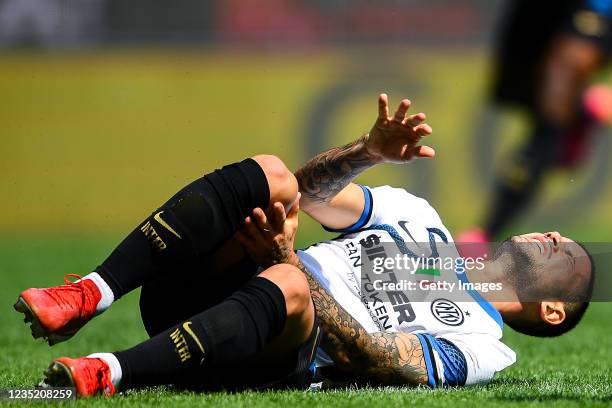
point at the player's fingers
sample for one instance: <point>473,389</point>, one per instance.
<point>411,134</point>
<point>295,207</point>
<point>279,211</point>
<point>400,113</point>
<point>424,151</point>
<point>279,216</point>
<point>261,220</point>
<point>383,106</point>
<point>414,120</point>
<point>423,130</point>
<point>252,230</point>
<point>273,218</point>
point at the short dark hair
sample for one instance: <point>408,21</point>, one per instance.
<point>574,311</point>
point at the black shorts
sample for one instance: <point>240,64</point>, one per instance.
<point>526,32</point>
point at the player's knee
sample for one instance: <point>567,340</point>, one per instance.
<point>300,308</point>
<point>281,181</point>
<point>300,291</point>
<point>294,286</point>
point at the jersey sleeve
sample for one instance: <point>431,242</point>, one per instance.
<point>457,360</point>
<point>384,204</point>
<point>446,364</point>
<point>484,354</point>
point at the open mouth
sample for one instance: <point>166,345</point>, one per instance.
<point>540,246</point>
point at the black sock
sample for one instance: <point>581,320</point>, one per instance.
<point>230,332</point>
<point>191,224</point>
<point>517,187</point>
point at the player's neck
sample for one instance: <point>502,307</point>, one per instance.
<point>505,299</point>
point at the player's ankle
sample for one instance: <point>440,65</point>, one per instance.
<point>106,294</point>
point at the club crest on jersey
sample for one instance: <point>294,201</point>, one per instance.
<point>447,312</point>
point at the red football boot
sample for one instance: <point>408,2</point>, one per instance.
<point>89,376</point>
<point>57,313</point>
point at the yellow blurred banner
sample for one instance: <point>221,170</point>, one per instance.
<point>93,142</point>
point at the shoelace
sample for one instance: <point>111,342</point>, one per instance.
<point>73,275</point>
<point>102,376</point>
<point>78,285</point>
<point>105,381</point>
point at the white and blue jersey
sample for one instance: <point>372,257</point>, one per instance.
<point>460,337</point>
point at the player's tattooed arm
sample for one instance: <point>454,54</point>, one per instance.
<point>381,358</point>
<point>328,173</point>
<point>328,194</point>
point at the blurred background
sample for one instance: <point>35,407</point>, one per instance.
<point>108,107</point>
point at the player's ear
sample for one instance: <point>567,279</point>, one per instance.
<point>552,312</point>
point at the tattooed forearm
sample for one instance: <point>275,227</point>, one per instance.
<point>326,174</point>
<point>386,358</point>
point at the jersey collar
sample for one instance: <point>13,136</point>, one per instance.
<point>487,307</point>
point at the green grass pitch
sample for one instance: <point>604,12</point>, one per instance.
<point>574,370</point>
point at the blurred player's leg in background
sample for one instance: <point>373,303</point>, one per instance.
<point>548,53</point>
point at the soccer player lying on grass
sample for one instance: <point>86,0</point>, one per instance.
<point>228,303</point>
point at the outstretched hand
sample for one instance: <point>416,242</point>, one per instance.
<point>395,139</point>
<point>269,240</point>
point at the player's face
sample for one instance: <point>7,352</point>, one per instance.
<point>558,263</point>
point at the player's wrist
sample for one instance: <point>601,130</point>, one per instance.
<point>292,259</point>
<point>373,154</point>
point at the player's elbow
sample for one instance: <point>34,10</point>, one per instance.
<point>351,359</point>
<point>343,362</point>
<point>400,378</point>
<point>417,380</point>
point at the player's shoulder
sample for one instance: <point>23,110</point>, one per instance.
<point>398,196</point>
<point>399,200</point>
